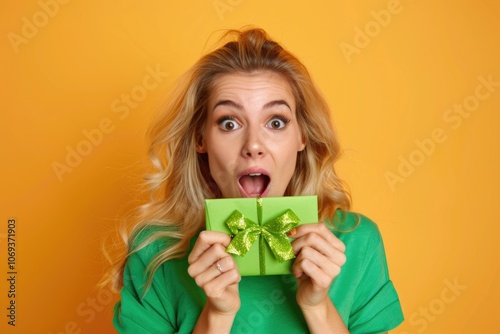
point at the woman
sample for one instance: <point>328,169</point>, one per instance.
<point>248,121</point>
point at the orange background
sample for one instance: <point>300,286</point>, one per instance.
<point>68,66</point>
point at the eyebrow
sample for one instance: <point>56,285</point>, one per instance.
<point>277,103</point>
<point>238,106</point>
<point>228,103</point>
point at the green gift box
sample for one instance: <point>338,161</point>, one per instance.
<point>258,228</point>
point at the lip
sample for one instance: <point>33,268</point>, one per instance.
<point>253,170</point>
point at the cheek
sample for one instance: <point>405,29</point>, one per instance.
<point>288,161</point>
<point>220,162</point>
<point>218,150</point>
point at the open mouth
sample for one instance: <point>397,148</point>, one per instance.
<point>254,184</point>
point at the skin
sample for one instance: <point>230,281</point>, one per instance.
<point>260,133</point>
<point>251,125</point>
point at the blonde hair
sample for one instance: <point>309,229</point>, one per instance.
<point>181,181</point>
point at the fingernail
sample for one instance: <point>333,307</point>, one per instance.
<point>292,232</point>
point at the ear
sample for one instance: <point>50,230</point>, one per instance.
<point>302,145</point>
<point>200,144</point>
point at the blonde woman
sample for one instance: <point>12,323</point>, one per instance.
<point>247,121</point>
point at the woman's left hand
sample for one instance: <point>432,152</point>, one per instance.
<point>320,256</point>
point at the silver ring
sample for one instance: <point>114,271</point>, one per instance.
<point>219,268</point>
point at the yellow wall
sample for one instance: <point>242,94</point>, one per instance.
<point>417,165</point>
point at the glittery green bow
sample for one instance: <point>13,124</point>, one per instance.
<point>246,232</point>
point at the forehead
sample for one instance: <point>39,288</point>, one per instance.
<point>253,87</point>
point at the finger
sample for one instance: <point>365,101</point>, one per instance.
<point>321,230</point>
<point>321,273</point>
<point>208,260</point>
<point>330,266</point>
<point>215,288</point>
<point>319,278</point>
<point>316,241</point>
<point>205,240</point>
<point>215,270</point>
<point>319,251</point>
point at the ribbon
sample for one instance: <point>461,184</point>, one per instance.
<point>246,232</point>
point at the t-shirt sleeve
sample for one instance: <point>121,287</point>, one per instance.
<point>376,307</point>
<point>137,312</point>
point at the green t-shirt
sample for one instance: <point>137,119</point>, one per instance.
<point>362,293</point>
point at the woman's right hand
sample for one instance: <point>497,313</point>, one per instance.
<point>216,273</point>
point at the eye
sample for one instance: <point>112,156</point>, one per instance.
<point>278,122</point>
<point>227,123</point>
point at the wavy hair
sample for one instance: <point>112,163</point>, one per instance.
<point>181,179</point>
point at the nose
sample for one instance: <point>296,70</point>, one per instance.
<point>254,146</point>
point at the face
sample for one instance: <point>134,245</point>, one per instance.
<point>251,135</point>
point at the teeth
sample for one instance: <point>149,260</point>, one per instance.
<point>255,174</point>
